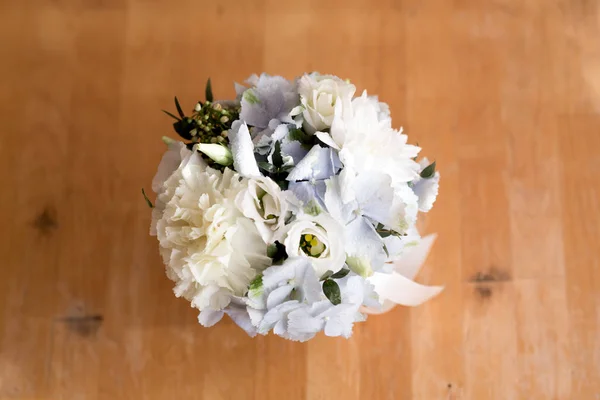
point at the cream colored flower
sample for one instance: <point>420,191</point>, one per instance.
<point>266,204</point>
<point>319,95</point>
<point>211,250</point>
<point>320,239</point>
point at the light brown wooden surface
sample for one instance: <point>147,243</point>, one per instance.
<point>504,94</point>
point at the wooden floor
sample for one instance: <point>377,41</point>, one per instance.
<point>504,94</point>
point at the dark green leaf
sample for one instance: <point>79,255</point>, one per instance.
<point>383,232</point>
<point>276,252</point>
<point>277,158</point>
<point>266,166</point>
<point>179,110</point>
<point>283,184</point>
<point>332,291</point>
<point>208,91</point>
<point>183,127</point>
<point>300,136</point>
<point>429,171</point>
<point>387,253</point>
<point>341,273</point>
<point>171,115</point>
<point>147,199</point>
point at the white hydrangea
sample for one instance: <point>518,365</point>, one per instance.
<point>212,251</point>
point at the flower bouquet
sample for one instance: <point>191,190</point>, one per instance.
<point>292,208</point>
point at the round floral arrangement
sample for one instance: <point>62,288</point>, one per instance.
<point>292,208</point>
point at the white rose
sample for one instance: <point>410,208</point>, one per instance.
<point>320,239</point>
<point>265,203</point>
<point>319,95</point>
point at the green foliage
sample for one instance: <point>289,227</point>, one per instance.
<point>429,171</point>
<point>384,232</point>
<point>147,199</point>
<point>341,273</point>
<point>332,291</point>
<point>208,94</point>
<point>276,251</point>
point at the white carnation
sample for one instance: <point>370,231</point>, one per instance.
<point>211,250</point>
<point>367,142</point>
<point>319,96</point>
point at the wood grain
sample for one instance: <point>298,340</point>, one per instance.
<point>505,95</point>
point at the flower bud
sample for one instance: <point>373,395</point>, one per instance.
<point>216,152</point>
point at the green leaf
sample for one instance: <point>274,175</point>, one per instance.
<point>147,199</point>
<point>283,184</point>
<point>171,115</point>
<point>300,136</point>
<point>429,171</point>
<point>256,282</point>
<point>332,291</point>
<point>179,110</point>
<point>341,273</point>
<point>266,166</point>
<point>383,232</point>
<point>256,287</point>
<point>277,158</point>
<point>276,252</point>
<point>208,91</point>
<point>183,127</point>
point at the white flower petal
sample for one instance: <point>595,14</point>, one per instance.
<point>400,290</point>
<point>208,317</point>
<point>327,139</point>
<point>242,149</point>
<point>413,257</point>
<point>168,164</point>
<point>240,316</point>
<point>278,296</point>
<point>427,191</point>
<point>300,322</point>
<point>319,163</point>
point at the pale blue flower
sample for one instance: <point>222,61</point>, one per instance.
<point>426,189</point>
<point>291,303</point>
<point>271,97</point>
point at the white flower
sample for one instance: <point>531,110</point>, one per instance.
<point>367,142</point>
<point>357,202</point>
<point>217,152</point>
<point>319,96</point>
<point>242,150</point>
<point>426,189</point>
<point>211,250</point>
<point>171,160</point>
<point>318,238</point>
<point>265,204</point>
